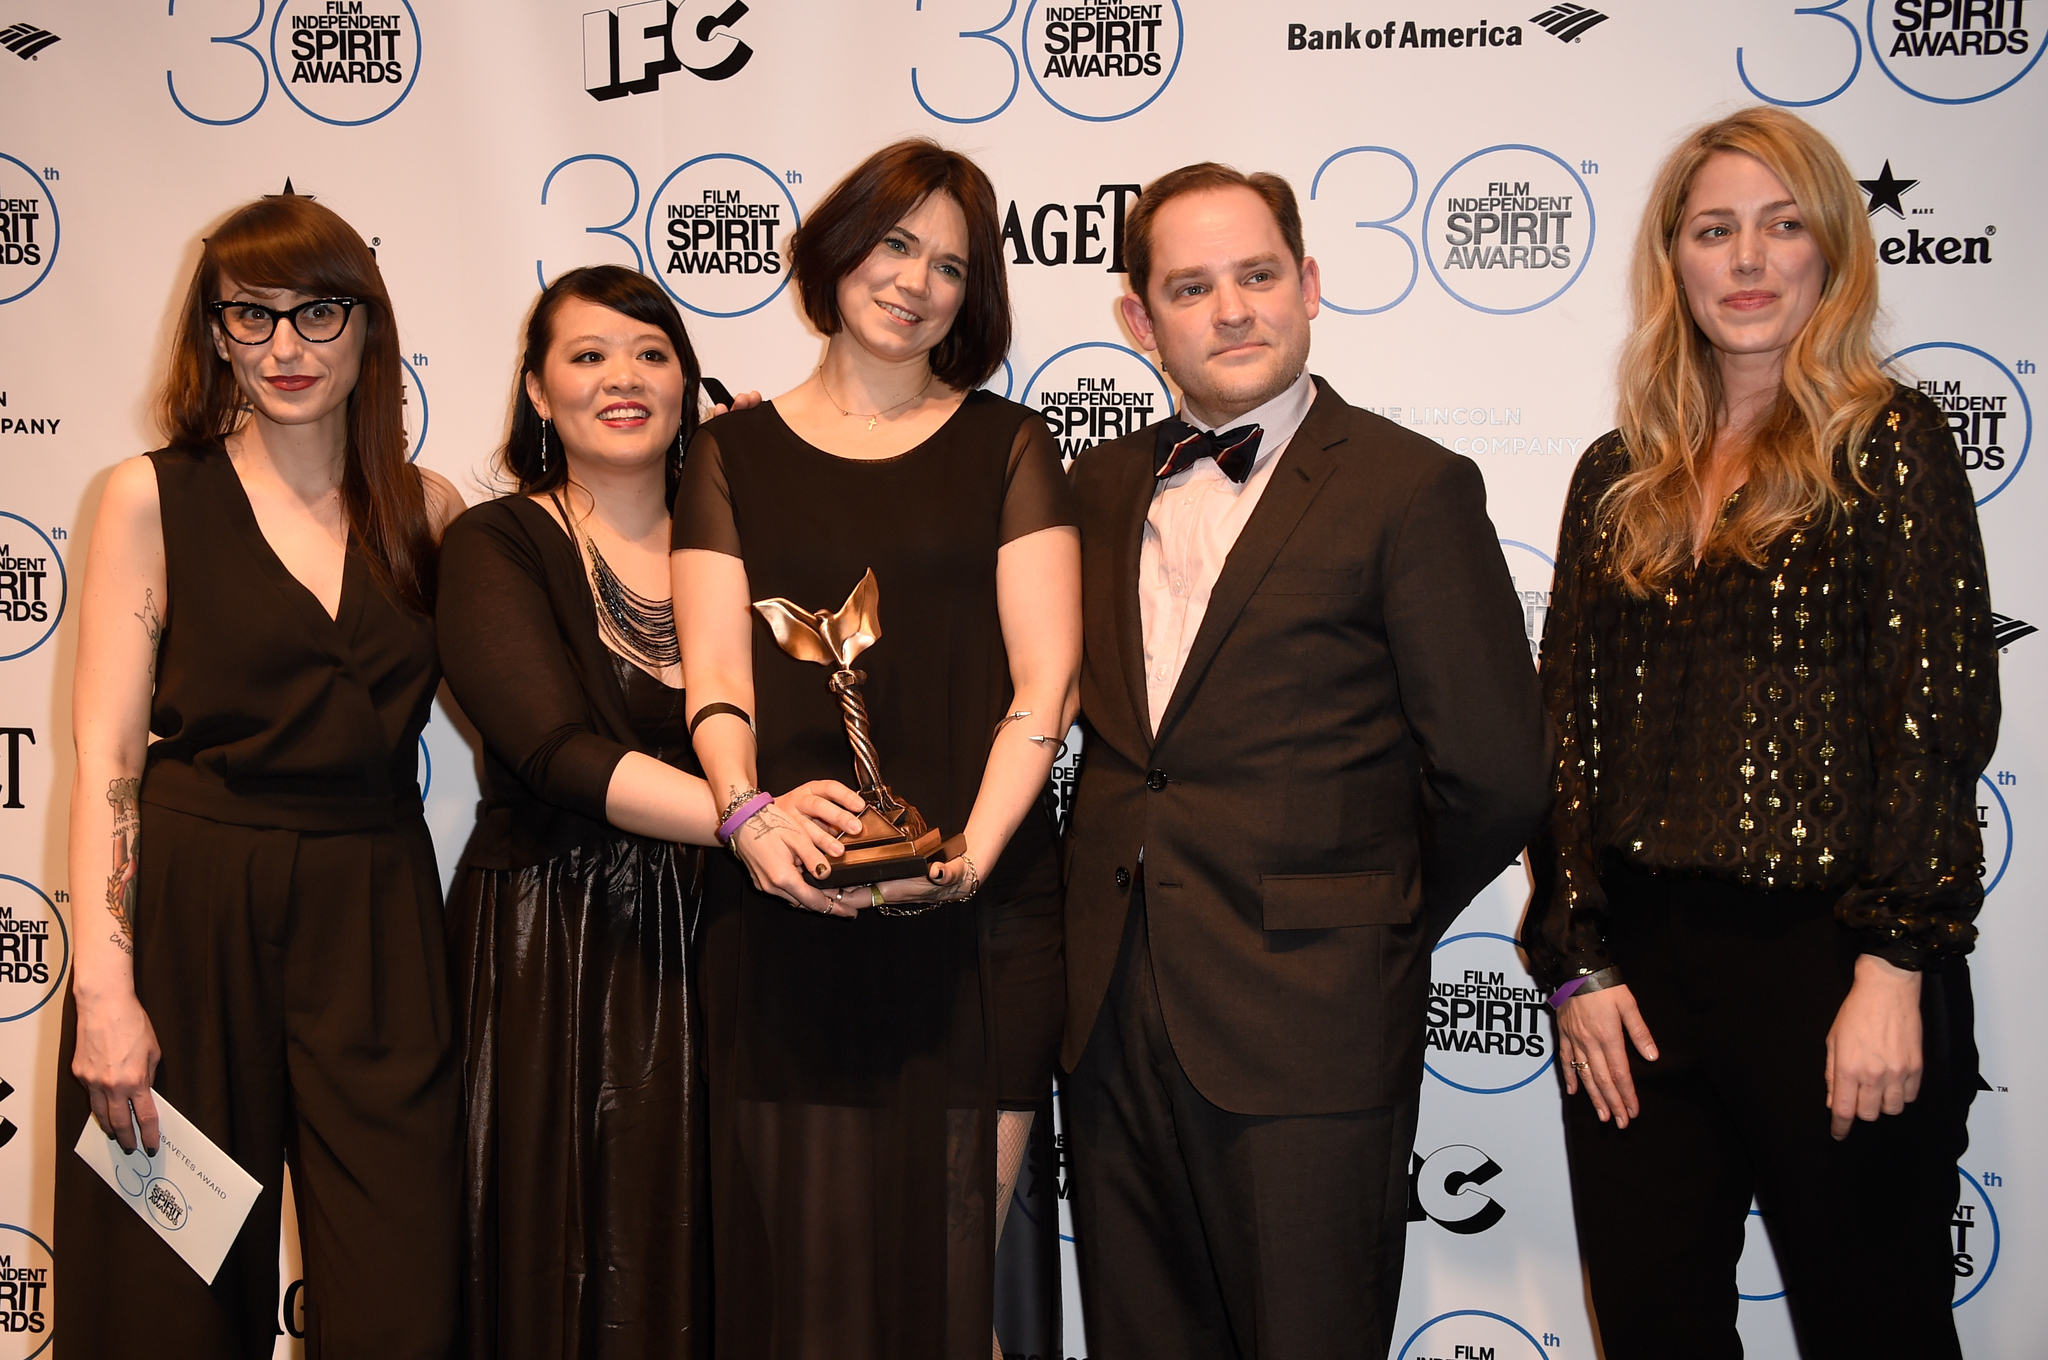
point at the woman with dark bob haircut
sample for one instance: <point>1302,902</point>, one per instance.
<point>571,915</point>
<point>874,1051</point>
<point>1771,664</point>
<point>266,955</point>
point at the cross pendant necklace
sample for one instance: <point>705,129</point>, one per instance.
<point>872,416</point>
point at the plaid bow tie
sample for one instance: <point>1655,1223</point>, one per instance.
<point>1181,444</point>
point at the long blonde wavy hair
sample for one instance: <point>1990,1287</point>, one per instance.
<point>1671,393</point>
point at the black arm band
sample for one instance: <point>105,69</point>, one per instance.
<point>713,710</point>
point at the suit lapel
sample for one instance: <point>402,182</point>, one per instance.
<point>1305,465</point>
<point>1128,523</point>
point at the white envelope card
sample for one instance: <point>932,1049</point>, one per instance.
<point>191,1192</point>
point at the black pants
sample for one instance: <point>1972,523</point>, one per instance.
<point>1739,989</point>
<point>298,987</point>
<point>1203,1233</point>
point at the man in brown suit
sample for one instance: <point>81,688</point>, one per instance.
<point>1312,733</point>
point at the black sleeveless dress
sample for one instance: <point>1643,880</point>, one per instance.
<point>855,1066</point>
<point>582,1203</point>
<point>288,951</point>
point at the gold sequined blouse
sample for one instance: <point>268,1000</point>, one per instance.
<point>1818,722</point>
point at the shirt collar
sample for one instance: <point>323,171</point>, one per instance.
<point>1279,418</point>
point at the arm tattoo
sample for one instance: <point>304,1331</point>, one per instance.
<point>153,625</point>
<point>122,886</point>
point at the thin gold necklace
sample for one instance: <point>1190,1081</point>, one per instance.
<point>872,416</point>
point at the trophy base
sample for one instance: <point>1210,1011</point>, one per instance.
<point>883,850</point>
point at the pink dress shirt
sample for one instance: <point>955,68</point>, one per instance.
<point>1196,517</point>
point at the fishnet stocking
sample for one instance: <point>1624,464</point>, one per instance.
<point>1013,1135</point>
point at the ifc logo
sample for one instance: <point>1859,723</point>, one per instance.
<point>1508,229</point>
<point>346,62</point>
<point>28,230</point>
<point>26,1268</point>
<point>1470,1334</point>
<point>1987,409</point>
<point>1095,391</point>
<point>716,229</point>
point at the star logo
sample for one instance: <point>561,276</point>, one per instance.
<point>1886,190</point>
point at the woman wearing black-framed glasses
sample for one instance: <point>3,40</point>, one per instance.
<point>267,954</point>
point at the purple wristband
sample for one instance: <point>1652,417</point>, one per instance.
<point>730,827</point>
<point>1564,993</point>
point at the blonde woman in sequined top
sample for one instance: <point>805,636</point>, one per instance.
<point>1771,664</point>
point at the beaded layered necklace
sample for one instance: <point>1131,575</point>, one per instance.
<point>636,625</point>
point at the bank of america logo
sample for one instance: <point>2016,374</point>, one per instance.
<point>25,40</point>
<point>2009,630</point>
<point>1567,22</point>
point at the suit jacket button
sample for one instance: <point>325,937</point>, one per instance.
<point>1156,780</point>
<point>1123,880</point>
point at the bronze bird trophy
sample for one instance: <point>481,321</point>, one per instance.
<point>893,840</point>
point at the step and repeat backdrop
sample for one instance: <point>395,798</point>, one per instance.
<point>1471,172</point>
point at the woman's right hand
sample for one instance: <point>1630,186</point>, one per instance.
<point>116,1063</point>
<point>791,841</point>
<point>1590,1040</point>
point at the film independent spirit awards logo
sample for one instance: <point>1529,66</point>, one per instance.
<point>1531,570</point>
<point>1955,51</point>
<point>33,586</point>
<point>344,62</point>
<point>28,229</point>
<point>1976,1238</point>
<point>715,232</point>
<point>1486,1034</point>
<point>1095,62</point>
<point>1473,1334</point>
<point>26,1280</point>
<point>1987,409</point>
<point>1095,391</point>
<point>35,946</point>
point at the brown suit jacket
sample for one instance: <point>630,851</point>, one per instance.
<point>1355,747</point>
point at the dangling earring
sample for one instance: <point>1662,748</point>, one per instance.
<point>543,446</point>
<point>679,448</point>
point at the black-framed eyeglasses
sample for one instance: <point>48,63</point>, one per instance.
<point>252,323</point>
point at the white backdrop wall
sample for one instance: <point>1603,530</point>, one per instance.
<point>482,146</point>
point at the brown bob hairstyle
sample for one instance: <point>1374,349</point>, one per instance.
<point>288,241</point>
<point>1200,178</point>
<point>628,293</point>
<point>864,207</point>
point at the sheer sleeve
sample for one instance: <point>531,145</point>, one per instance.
<point>1565,935</point>
<point>1930,692</point>
<point>507,662</point>
<point>1036,494</point>
<point>702,514</point>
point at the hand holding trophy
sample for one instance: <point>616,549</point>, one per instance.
<point>894,840</point>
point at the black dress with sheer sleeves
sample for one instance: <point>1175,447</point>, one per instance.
<point>570,940</point>
<point>855,1066</point>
